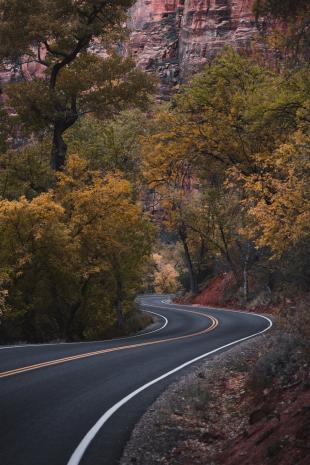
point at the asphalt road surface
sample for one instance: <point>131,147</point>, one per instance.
<point>70,404</point>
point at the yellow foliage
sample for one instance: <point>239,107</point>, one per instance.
<point>279,201</point>
<point>79,248</point>
<point>165,276</point>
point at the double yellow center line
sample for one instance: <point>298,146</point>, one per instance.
<point>214,324</point>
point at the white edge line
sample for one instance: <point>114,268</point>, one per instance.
<point>155,330</point>
<point>81,448</point>
<point>92,342</point>
<point>203,307</point>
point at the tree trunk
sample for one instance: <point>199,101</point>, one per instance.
<point>188,261</point>
<point>59,148</point>
<point>245,275</point>
<point>119,303</point>
<point>228,257</point>
<point>74,308</point>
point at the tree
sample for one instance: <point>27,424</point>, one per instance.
<point>58,36</point>
<point>232,112</point>
<point>25,172</point>
<point>114,235</point>
<point>168,173</point>
<point>35,243</point>
<point>5,129</point>
<point>165,275</point>
<point>230,119</point>
<point>224,117</point>
<point>112,145</point>
<point>110,227</point>
<point>283,221</point>
<point>289,21</point>
<point>72,258</point>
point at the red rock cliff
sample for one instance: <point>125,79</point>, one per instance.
<point>177,37</point>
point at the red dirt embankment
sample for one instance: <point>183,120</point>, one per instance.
<point>214,293</point>
<point>222,291</point>
<point>247,406</point>
<point>278,430</point>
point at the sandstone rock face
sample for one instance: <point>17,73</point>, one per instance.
<point>176,38</point>
<point>27,71</point>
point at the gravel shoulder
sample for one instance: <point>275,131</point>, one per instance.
<point>162,427</point>
<point>214,415</point>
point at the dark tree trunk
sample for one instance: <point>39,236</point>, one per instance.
<point>245,275</point>
<point>74,308</point>
<point>119,303</point>
<point>59,149</point>
<point>188,261</point>
<point>227,255</point>
<point>69,336</point>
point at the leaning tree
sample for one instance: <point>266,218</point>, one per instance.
<point>60,38</point>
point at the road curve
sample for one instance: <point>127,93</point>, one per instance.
<point>76,404</point>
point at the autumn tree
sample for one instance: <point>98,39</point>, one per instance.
<point>72,259</point>
<point>58,36</point>
<point>25,171</point>
<point>283,221</point>
<point>110,227</point>
<point>231,118</point>
<point>232,112</point>
<point>165,275</point>
<point>169,174</point>
<point>33,238</point>
<point>224,117</point>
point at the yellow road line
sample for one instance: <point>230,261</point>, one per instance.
<point>59,361</point>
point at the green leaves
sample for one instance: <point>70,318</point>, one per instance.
<point>74,79</point>
<point>113,145</point>
<point>63,24</point>
<point>25,172</point>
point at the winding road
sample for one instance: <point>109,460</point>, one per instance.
<point>76,404</point>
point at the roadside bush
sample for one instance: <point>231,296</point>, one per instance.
<point>296,321</point>
<point>278,364</point>
<point>199,396</point>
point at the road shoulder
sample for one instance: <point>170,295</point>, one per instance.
<point>219,413</point>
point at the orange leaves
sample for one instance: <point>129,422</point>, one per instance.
<point>22,220</point>
<point>280,202</point>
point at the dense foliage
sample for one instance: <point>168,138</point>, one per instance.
<point>288,26</point>
<point>58,36</point>
<point>71,258</point>
<point>229,162</point>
